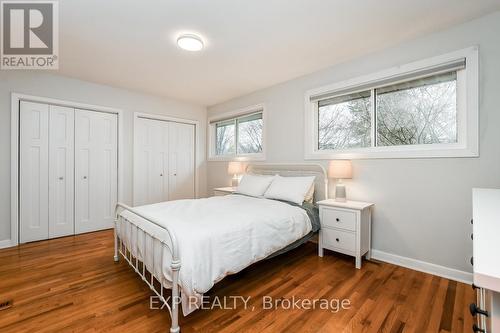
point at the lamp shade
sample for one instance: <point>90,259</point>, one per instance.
<point>235,168</point>
<point>340,169</point>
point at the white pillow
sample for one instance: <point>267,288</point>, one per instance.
<point>310,194</point>
<point>293,189</point>
<point>254,185</point>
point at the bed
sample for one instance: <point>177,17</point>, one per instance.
<point>211,238</point>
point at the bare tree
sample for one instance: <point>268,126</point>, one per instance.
<point>345,125</point>
<point>224,139</point>
<point>250,137</point>
<point>421,115</point>
<point>406,114</point>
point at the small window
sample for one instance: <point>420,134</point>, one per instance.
<point>236,136</point>
<point>424,109</point>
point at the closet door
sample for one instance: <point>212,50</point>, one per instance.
<point>150,162</point>
<point>181,161</point>
<point>95,170</point>
<point>61,171</point>
<point>34,171</point>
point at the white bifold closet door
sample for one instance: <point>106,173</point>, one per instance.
<point>61,171</point>
<point>163,161</point>
<point>96,161</point>
<point>68,171</point>
<point>34,171</point>
<point>181,161</point>
<point>46,171</point>
<point>151,162</point>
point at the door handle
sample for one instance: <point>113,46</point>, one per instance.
<point>476,328</point>
<point>61,178</point>
<point>474,310</point>
<point>84,177</point>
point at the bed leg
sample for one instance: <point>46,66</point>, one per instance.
<point>116,242</point>
<point>176,266</point>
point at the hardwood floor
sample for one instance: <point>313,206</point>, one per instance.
<point>71,284</point>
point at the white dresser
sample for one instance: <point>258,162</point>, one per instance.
<point>486,259</point>
<point>345,228</point>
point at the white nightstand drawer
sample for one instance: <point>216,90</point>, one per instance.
<point>336,218</point>
<point>340,239</point>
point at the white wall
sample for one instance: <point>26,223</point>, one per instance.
<point>423,206</point>
<point>48,85</point>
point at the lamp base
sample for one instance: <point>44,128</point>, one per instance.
<point>235,181</point>
<point>340,193</point>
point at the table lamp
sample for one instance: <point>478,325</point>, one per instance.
<point>235,169</point>
<point>340,169</point>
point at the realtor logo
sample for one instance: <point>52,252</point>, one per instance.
<point>29,35</point>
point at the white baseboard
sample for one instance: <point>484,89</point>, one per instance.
<point>422,266</point>
<point>5,243</point>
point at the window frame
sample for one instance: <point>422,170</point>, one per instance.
<point>233,115</point>
<point>467,144</point>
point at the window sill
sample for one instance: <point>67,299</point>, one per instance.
<point>445,151</point>
<point>242,158</point>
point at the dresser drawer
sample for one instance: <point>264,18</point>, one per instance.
<point>336,218</point>
<point>339,239</point>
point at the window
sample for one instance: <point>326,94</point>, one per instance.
<point>238,135</point>
<point>344,122</point>
<point>421,111</point>
<point>225,137</point>
<point>424,109</point>
<point>249,136</point>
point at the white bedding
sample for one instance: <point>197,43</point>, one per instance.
<point>216,236</point>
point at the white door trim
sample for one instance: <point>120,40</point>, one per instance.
<point>197,143</point>
<point>14,151</point>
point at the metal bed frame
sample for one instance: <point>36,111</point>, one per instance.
<point>170,242</point>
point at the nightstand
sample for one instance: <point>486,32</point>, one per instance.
<point>224,191</point>
<point>345,228</point>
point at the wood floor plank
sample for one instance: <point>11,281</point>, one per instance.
<point>71,284</point>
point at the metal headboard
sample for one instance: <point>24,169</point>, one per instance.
<point>290,170</point>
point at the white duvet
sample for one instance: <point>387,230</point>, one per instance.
<point>216,236</point>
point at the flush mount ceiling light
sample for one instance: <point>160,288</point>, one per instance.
<point>190,42</point>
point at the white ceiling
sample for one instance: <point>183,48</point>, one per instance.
<point>250,44</point>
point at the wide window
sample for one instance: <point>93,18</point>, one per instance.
<point>425,109</point>
<point>422,111</point>
<point>241,135</point>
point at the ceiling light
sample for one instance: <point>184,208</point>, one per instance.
<point>190,42</point>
